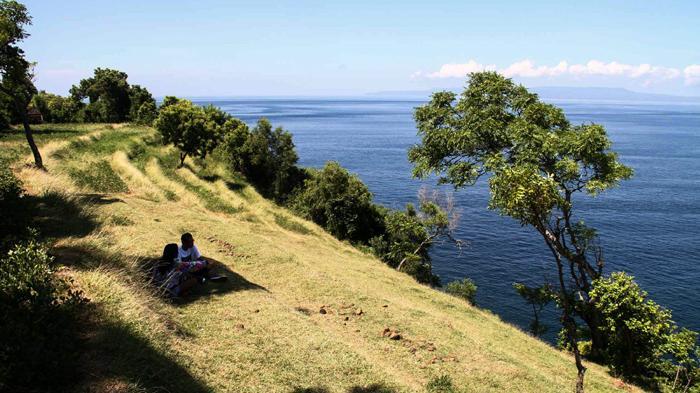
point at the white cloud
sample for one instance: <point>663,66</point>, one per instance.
<point>527,69</point>
<point>595,67</point>
<point>647,73</point>
<point>459,70</point>
<point>692,74</point>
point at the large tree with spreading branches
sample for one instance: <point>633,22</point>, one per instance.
<point>538,162</point>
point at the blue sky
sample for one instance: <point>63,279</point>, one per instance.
<point>230,48</point>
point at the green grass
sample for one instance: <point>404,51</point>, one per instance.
<point>248,335</point>
<point>99,177</point>
<point>291,224</point>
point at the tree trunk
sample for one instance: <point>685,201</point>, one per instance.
<point>599,341</point>
<point>568,311</point>
<point>182,159</point>
<point>429,239</point>
<point>30,139</point>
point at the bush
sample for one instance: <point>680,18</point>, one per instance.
<point>404,231</point>
<point>147,113</point>
<point>339,202</point>
<point>465,289</point>
<point>56,109</point>
<point>37,334</point>
<point>12,208</point>
<point>643,342</point>
<point>441,384</point>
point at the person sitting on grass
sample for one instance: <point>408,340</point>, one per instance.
<point>190,260</point>
<point>166,275</point>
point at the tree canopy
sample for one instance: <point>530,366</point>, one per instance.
<point>537,162</point>
<point>194,130</point>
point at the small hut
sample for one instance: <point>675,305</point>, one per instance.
<point>34,116</point>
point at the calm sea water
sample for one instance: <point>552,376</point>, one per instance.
<point>649,227</point>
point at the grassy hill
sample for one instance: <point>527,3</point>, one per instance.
<point>112,198</point>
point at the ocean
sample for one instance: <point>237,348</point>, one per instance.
<point>648,227</point>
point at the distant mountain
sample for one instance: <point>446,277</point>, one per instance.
<point>606,93</point>
<point>563,93</point>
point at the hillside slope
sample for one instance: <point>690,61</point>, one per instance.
<point>111,199</point>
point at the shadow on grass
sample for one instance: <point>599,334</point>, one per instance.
<point>373,388</point>
<point>234,283</point>
<point>117,359</point>
<point>56,215</point>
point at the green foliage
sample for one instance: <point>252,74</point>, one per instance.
<point>266,157</point>
<point>56,109</point>
<point>37,334</point>
<point>464,289</point>
<point>644,344</point>
<point>537,162</point>
<point>339,202</point>
<point>441,384</point>
<point>138,97</point>
<point>194,130</point>
<point>99,177</point>
<point>538,298</point>
<point>168,100</point>
<point>16,72</point>
<point>11,206</point>
<point>108,94</point>
<point>146,114</point>
<point>401,244</point>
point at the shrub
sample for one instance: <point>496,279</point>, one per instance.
<point>643,342</point>
<point>56,109</point>
<point>147,113</point>
<point>404,232</point>
<point>12,208</point>
<point>465,289</point>
<point>441,384</point>
<point>339,202</point>
<point>38,329</point>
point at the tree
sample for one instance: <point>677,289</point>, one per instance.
<point>54,108</point>
<point>537,297</point>
<point>147,113</point>
<point>138,96</point>
<point>409,235</point>
<point>16,72</point>
<point>643,341</point>
<point>266,157</point>
<point>439,219</point>
<point>189,128</point>
<point>537,161</point>
<point>464,289</point>
<point>109,96</point>
<point>339,202</point>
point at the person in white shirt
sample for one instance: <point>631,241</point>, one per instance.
<point>190,261</point>
<point>188,252</point>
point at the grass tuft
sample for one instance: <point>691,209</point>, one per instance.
<point>99,177</point>
<point>291,225</point>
